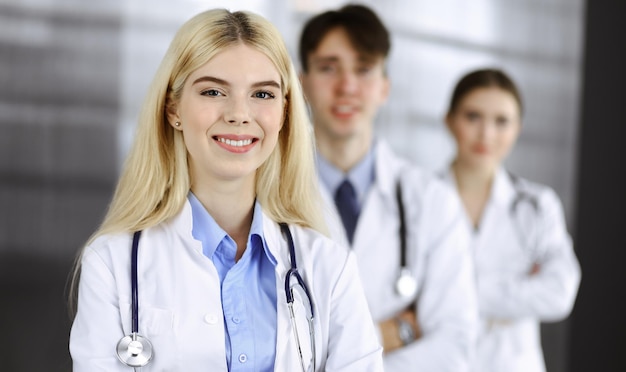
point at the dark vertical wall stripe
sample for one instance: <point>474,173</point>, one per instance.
<point>598,321</point>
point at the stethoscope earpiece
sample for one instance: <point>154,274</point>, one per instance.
<point>406,285</point>
<point>134,350</point>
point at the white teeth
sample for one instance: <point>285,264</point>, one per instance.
<point>235,143</point>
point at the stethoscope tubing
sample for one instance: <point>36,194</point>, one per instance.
<point>293,271</point>
<point>134,282</point>
<point>134,350</point>
<point>406,284</point>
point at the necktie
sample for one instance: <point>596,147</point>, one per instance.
<point>348,207</point>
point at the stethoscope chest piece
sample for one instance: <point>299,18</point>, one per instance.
<point>406,285</point>
<point>134,350</point>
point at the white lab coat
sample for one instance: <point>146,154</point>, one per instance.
<point>180,308</point>
<point>513,303</point>
<point>438,256</point>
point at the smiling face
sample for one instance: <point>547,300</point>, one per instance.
<point>485,125</point>
<point>344,88</point>
<point>231,111</point>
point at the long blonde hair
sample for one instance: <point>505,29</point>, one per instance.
<point>155,180</point>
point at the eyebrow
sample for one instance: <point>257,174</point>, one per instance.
<point>271,83</point>
<point>325,59</point>
<point>335,59</point>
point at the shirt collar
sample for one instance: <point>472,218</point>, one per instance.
<point>503,189</point>
<point>361,175</point>
<point>206,230</point>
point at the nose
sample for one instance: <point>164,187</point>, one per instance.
<point>348,82</point>
<point>237,111</point>
<point>487,129</point>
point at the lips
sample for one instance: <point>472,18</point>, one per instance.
<point>480,149</point>
<point>344,111</point>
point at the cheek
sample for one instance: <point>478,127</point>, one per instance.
<point>508,143</point>
<point>318,91</point>
<point>272,120</point>
<point>463,133</point>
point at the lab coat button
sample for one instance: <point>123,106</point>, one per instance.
<point>243,358</point>
<point>236,320</point>
<point>210,318</point>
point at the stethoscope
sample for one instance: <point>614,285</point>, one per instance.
<point>406,285</point>
<point>135,350</point>
<point>522,197</point>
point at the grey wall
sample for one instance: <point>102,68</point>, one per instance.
<point>74,74</point>
<point>59,73</point>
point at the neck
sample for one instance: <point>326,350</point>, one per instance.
<point>472,178</point>
<point>474,186</point>
<point>231,204</point>
<point>343,153</point>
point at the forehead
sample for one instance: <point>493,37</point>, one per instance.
<point>491,98</point>
<point>336,44</point>
<point>239,63</point>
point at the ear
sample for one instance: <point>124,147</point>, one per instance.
<point>171,111</point>
<point>303,81</point>
<point>448,121</point>
<point>385,90</point>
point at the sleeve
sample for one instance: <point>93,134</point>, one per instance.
<point>352,344</point>
<point>446,307</point>
<point>97,327</point>
<point>549,294</point>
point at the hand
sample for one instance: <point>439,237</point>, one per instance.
<point>389,329</point>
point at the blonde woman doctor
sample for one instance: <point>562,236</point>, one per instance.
<point>214,225</point>
<point>526,269</point>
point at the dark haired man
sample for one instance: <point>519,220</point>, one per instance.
<point>427,316</point>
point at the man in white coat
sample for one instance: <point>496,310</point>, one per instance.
<point>396,218</point>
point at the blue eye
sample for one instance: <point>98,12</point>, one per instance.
<point>210,92</point>
<point>264,95</point>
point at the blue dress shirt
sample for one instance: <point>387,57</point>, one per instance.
<point>361,176</point>
<point>249,308</point>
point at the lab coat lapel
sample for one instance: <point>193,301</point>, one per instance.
<point>285,350</point>
<point>503,190</point>
<point>387,170</point>
<point>380,197</point>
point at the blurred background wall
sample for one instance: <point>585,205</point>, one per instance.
<point>73,75</point>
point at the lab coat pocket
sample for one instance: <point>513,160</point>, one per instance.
<point>153,321</point>
<point>157,326</point>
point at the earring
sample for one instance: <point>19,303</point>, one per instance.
<point>177,123</point>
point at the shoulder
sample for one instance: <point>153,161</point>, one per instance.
<point>430,188</point>
<point>318,244</point>
<point>115,247</point>
<point>544,195</point>
<point>418,181</point>
<point>307,242</point>
<point>107,246</point>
